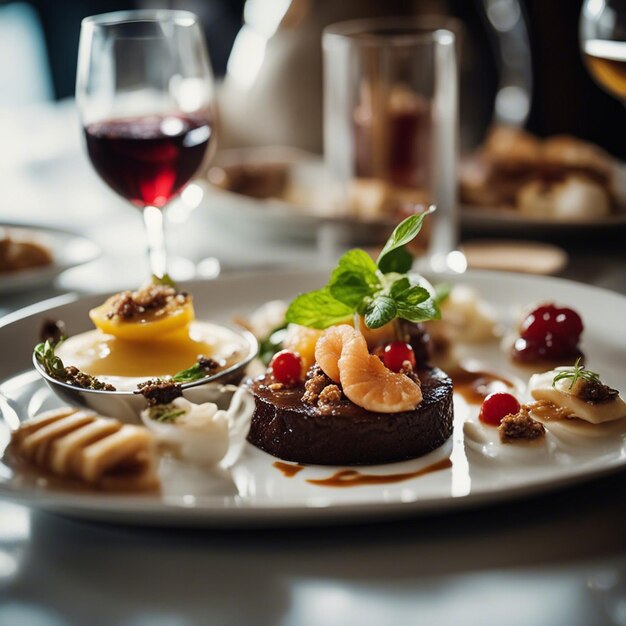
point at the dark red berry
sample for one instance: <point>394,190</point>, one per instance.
<point>496,406</point>
<point>548,320</point>
<point>396,354</point>
<point>286,367</point>
<point>567,324</point>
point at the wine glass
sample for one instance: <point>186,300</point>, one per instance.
<point>146,100</point>
<point>603,42</point>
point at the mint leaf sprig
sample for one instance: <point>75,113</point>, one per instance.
<point>379,291</point>
<point>576,373</point>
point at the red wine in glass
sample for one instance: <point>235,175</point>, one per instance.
<point>148,160</point>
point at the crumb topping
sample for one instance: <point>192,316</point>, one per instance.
<point>275,386</point>
<point>159,391</point>
<point>130,305</point>
<point>331,394</point>
<point>207,364</point>
<point>76,378</point>
<point>592,391</point>
<point>520,426</point>
<point>315,382</point>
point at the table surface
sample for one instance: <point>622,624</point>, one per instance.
<point>555,559</point>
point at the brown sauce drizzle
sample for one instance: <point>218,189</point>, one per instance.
<point>354,478</point>
<point>287,469</point>
<point>474,387</point>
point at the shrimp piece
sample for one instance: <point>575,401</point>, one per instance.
<point>329,347</point>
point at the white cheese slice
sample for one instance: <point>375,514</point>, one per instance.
<point>540,387</point>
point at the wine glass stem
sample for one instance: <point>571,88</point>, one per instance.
<point>153,220</point>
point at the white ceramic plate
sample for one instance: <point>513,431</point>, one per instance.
<point>67,249</point>
<point>256,493</point>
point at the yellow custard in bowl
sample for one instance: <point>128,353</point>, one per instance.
<point>125,363</point>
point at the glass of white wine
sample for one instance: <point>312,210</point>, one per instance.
<point>603,42</point>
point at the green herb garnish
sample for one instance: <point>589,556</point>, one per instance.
<point>202,368</point>
<point>54,367</point>
<point>576,373</point>
<point>165,280</point>
<point>165,413</point>
<point>46,357</point>
<point>379,291</point>
<point>195,372</point>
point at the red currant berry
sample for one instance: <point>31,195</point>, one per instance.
<point>286,367</point>
<point>538,323</point>
<point>568,325</point>
<point>496,406</point>
<point>396,353</point>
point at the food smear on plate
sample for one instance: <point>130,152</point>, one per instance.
<point>360,389</point>
<point>88,448</point>
<point>148,333</point>
<point>19,253</point>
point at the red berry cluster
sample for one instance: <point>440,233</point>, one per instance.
<point>549,333</point>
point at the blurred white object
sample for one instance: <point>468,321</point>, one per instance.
<point>24,71</point>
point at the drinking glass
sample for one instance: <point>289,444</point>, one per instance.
<point>391,124</point>
<point>146,100</point>
<point>603,42</point>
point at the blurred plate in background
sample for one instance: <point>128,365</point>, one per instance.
<point>67,250</point>
<point>283,193</point>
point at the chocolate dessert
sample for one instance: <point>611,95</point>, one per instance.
<point>339,432</point>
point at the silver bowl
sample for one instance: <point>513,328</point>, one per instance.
<point>127,405</point>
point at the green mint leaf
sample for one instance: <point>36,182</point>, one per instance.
<point>379,311</point>
<point>399,286</point>
<point>412,296</point>
<point>403,233</point>
<point>427,310</point>
<point>350,288</point>
<point>318,309</point>
<point>399,260</point>
<point>359,261</point>
<point>354,278</point>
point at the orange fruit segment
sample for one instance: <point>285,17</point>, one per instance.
<point>302,340</point>
<point>342,354</point>
<point>160,324</point>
